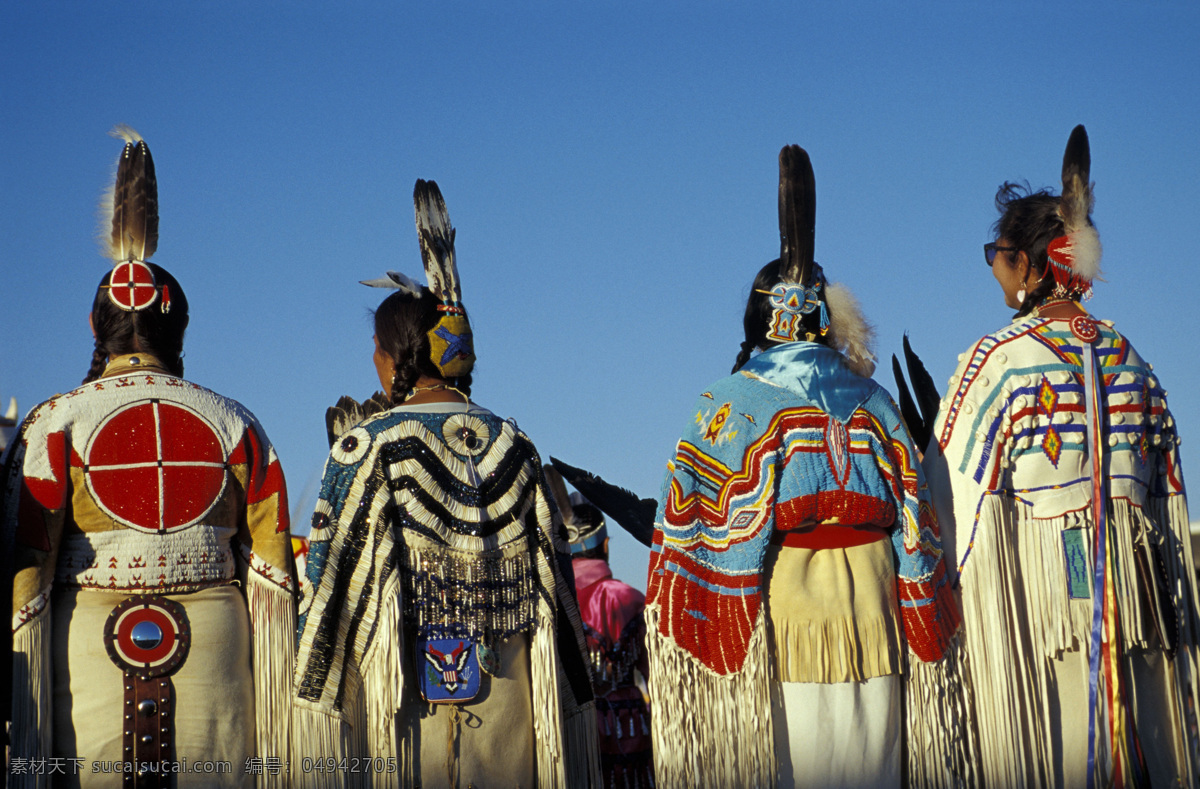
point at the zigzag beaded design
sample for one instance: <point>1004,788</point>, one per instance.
<point>787,467</point>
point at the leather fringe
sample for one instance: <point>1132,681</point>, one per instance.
<point>941,750</point>
<point>837,650</point>
<point>547,711</point>
<point>273,649</point>
<point>32,701</point>
<point>710,731</point>
<point>383,680</point>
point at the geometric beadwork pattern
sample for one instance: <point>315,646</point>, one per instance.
<point>1047,398</point>
<point>1052,445</point>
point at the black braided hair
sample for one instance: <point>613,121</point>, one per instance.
<point>402,326</point>
<point>756,322</point>
<point>1029,221</point>
<point>147,331</point>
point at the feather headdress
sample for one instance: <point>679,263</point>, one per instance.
<point>797,215</point>
<point>451,342</point>
<point>132,237</point>
<point>801,281</point>
<point>1075,256</point>
<point>803,289</point>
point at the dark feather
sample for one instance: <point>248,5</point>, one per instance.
<point>437,241</point>
<point>797,214</point>
<point>348,412</point>
<point>908,409</point>
<point>135,203</point>
<point>634,514</point>
<point>928,398</point>
<point>1076,192</point>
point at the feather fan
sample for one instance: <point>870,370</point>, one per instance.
<point>929,400</point>
<point>437,241</point>
<point>133,202</point>
<point>348,412</point>
<point>904,399</point>
<point>634,514</point>
<point>919,413</point>
<point>797,214</point>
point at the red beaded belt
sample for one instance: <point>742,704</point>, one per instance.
<point>828,535</point>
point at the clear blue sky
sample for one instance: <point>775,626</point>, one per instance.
<point>611,169</point>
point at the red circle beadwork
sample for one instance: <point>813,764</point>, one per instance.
<point>155,466</point>
<point>1084,328</point>
<point>131,286</point>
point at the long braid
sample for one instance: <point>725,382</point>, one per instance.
<point>743,356</point>
<point>99,362</point>
<point>407,374</point>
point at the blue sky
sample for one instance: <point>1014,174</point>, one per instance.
<point>611,169</point>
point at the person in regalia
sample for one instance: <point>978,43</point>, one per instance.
<point>797,592</point>
<point>153,589</point>
<point>616,633</point>
<point>439,634</point>
<point>1056,469</point>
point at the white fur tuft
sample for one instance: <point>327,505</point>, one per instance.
<point>125,132</point>
<point>1085,253</point>
<point>849,331</point>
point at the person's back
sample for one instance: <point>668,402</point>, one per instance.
<point>1057,458</point>
<point>138,503</point>
<point>438,639</point>
<point>796,561</point>
<point>615,631</point>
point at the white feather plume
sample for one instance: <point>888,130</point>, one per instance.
<point>849,332</point>
<point>1086,251</point>
<point>125,132</point>
<point>396,281</point>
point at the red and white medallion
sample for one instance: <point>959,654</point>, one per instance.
<point>147,635</point>
<point>131,286</point>
<point>156,466</point>
<point>1084,329</point>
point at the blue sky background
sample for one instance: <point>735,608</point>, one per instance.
<point>611,169</point>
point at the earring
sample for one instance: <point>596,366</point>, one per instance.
<point>1021,295</point>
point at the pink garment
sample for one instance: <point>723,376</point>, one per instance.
<point>607,605</point>
<point>615,631</point>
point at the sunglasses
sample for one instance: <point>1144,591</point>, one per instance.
<point>990,249</point>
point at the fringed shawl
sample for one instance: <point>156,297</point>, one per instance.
<point>438,521</point>
<point>792,438</point>
<point>1011,452</point>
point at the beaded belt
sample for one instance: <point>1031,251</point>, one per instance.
<point>147,637</point>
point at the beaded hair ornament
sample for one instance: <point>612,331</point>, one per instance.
<point>803,289</point>
<point>800,290</point>
<point>1074,257</point>
<point>451,343</point>
<point>131,235</point>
